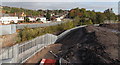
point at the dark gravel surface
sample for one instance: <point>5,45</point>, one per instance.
<point>91,46</point>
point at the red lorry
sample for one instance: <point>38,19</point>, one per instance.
<point>48,62</point>
<point>53,61</point>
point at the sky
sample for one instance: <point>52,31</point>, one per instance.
<point>60,0</point>
<point>97,5</point>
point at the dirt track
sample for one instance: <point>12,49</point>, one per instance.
<point>44,54</point>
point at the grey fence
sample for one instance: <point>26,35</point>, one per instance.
<point>22,26</point>
<point>19,53</point>
<point>7,29</point>
<point>10,29</point>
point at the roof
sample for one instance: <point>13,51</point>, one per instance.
<point>3,14</point>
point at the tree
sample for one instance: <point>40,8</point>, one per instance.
<point>6,12</point>
<point>89,22</point>
<point>100,17</point>
<point>71,14</point>
<point>77,20</point>
<point>92,16</point>
<point>38,20</point>
<point>110,14</point>
<point>48,16</point>
<point>12,11</point>
<point>26,19</point>
<point>61,11</point>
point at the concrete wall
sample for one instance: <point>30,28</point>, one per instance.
<point>10,29</point>
<point>21,26</point>
<point>7,29</point>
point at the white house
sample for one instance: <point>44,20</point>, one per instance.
<point>32,19</point>
<point>43,19</point>
<point>58,19</point>
<point>48,21</point>
<point>63,16</point>
<point>8,20</point>
<point>21,19</point>
<point>0,21</point>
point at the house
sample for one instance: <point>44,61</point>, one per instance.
<point>18,14</point>
<point>0,22</point>
<point>48,21</point>
<point>63,16</point>
<point>32,19</point>
<point>58,19</point>
<point>8,20</point>
<point>21,19</point>
<point>42,19</point>
<point>52,14</point>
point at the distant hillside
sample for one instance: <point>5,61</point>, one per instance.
<point>13,10</point>
<point>28,12</point>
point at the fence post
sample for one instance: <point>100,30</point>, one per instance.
<point>15,53</point>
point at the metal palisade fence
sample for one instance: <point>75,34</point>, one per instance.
<point>19,53</point>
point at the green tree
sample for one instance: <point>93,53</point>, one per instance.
<point>89,22</point>
<point>48,16</point>
<point>71,14</point>
<point>110,15</point>
<point>92,16</point>
<point>77,21</point>
<point>26,19</point>
<point>38,20</point>
<point>6,12</point>
<point>100,17</point>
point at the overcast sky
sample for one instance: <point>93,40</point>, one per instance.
<point>59,0</point>
<point>97,5</point>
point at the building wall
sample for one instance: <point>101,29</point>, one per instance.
<point>43,19</point>
<point>7,20</point>
<point>58,19</point>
